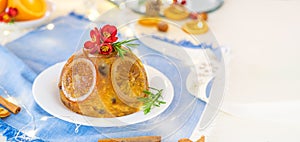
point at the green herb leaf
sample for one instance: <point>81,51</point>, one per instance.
<point>152,100</point>
<point>118,46</point>
<point>132,45</point>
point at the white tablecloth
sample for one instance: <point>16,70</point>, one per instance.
<point>262,101</point>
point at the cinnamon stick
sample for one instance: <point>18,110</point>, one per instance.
<point>10,106</point>
<point>185,140</point>
<point>134,139</point>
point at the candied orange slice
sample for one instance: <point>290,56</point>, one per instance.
<point>129,79</point>
<point>195,27</point>
<point>28,9</point>
<point>3,112</point>
<point>149,21</point>
<point>79,79</point>
<point>176,12</point>
<point>3,4</point>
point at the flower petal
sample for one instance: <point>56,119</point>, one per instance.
<point>94,50</point>
<point>114,39</point>
<point>89,45</point>
<point>95,36</point>
<point>92,33</point>
<point>114,31</point>
<point>108,34</point>
<point>105,28</point>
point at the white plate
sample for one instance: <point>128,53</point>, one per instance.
<point>31,23</point>
<point>46,95</point>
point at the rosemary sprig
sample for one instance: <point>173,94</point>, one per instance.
<point>152,100</point>
<point>126,43</point>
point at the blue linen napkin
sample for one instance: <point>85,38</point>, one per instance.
<point>23,59</point>
<point>44,47</point>
<point>15,77</point>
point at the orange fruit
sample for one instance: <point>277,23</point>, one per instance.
<point>3,4</point>
<point>28,9</point>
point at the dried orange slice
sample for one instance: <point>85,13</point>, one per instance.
<point>3,4</point>
<point>129,79</point>
<point>4,113</point>
<point>78,79</point>
<point>28,9</point>
<point>149,21</point>
<point>195,27</point>
<point>176,12</point>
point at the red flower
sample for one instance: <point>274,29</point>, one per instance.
<point>95,43</point>
<point>101,40</point>
<point>12,12</point>
<point>106,49</point>
<point>4,17</point>
<point>108,34</point>
<point>8,15</point>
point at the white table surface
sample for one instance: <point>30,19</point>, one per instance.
<point>262,101</point>
<point>263,95</point>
